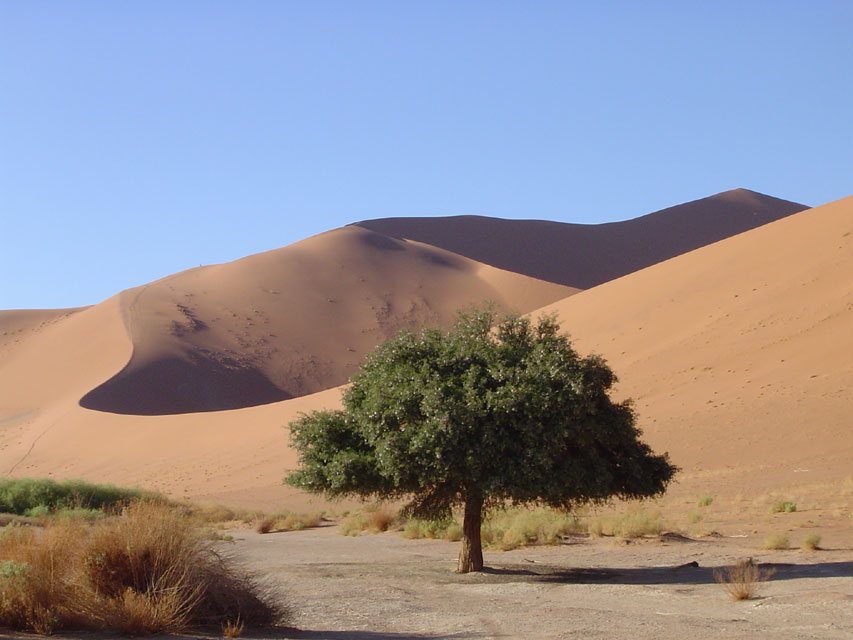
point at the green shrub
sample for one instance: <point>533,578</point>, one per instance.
<point>20,495</point>
<point>704,501</point>
<point>783,506</point>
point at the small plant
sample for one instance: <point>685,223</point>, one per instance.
<point>783,506</point>
<point>233,628</point>
<point>372,519</point>
<point>741,580</point>
<point>693,518</point>
<point>265,525</point>
<point>704,501</point>
<point>776,541</point>
<point>812,542</point>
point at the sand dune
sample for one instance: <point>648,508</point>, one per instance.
<point>739,354</point>
<point>292,321</point>
<point>584,256</point>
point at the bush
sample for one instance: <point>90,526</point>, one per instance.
<point>146,571</point>
<point>265,525</point>
<point>741,581</point>
<point>812,541</point>
<point>704,501</point>
<point>783,506</point>
<point>776,541</point>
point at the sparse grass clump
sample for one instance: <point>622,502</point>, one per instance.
<point>812,542</point>
<point>449,529</point>
<point>783,506</point>
<point>516,527</point>
<point>287,521</point>
<point>776,541</point>
<point>741,580</point>
<point>148,570</point>
<point>41,496</point>
<point>628,525</point>
<point>704,501</point>
<point>370,519</point>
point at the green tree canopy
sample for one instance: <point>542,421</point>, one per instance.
<point>492,411</point>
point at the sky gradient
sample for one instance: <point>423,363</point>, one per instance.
<point>141,139</point>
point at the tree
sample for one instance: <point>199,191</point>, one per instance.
<point>493,411</point>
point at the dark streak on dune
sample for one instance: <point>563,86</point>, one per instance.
<point>584,256</point>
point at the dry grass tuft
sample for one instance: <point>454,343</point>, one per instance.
<point>265,525</point>
<point>146,571</point>
<point>380,520</point>
<point>372,519</point>
<point>517,527</point>
<point>233,628</point>
<point>776,541</point>
<point>627,525</point>
<point>812,542</point>
<point>741,580</point>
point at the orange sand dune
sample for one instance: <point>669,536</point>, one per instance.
<point>740,354</point>
<point>292,321</point>
<point>284,323</point>
<point>583,256</point>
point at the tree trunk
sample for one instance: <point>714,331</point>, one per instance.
<point>471,554</point>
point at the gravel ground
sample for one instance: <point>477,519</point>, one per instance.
<point>382,587</point>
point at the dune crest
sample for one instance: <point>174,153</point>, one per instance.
<point>582,255</point>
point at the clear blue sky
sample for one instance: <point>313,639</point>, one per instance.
<point>138,139</point>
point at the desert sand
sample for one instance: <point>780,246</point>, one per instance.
<point>738,355</point>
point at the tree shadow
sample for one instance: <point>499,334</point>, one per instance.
<point>305,634</point>
<point>690,573</point>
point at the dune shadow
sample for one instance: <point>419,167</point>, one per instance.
<point>683,574</point>
<point>198,382</point>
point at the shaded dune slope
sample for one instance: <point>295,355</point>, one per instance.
<point>584,256</point>
<point>739,354</point>
<point>292,321</point>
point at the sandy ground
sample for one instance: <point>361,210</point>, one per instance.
<point>377,587</point>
